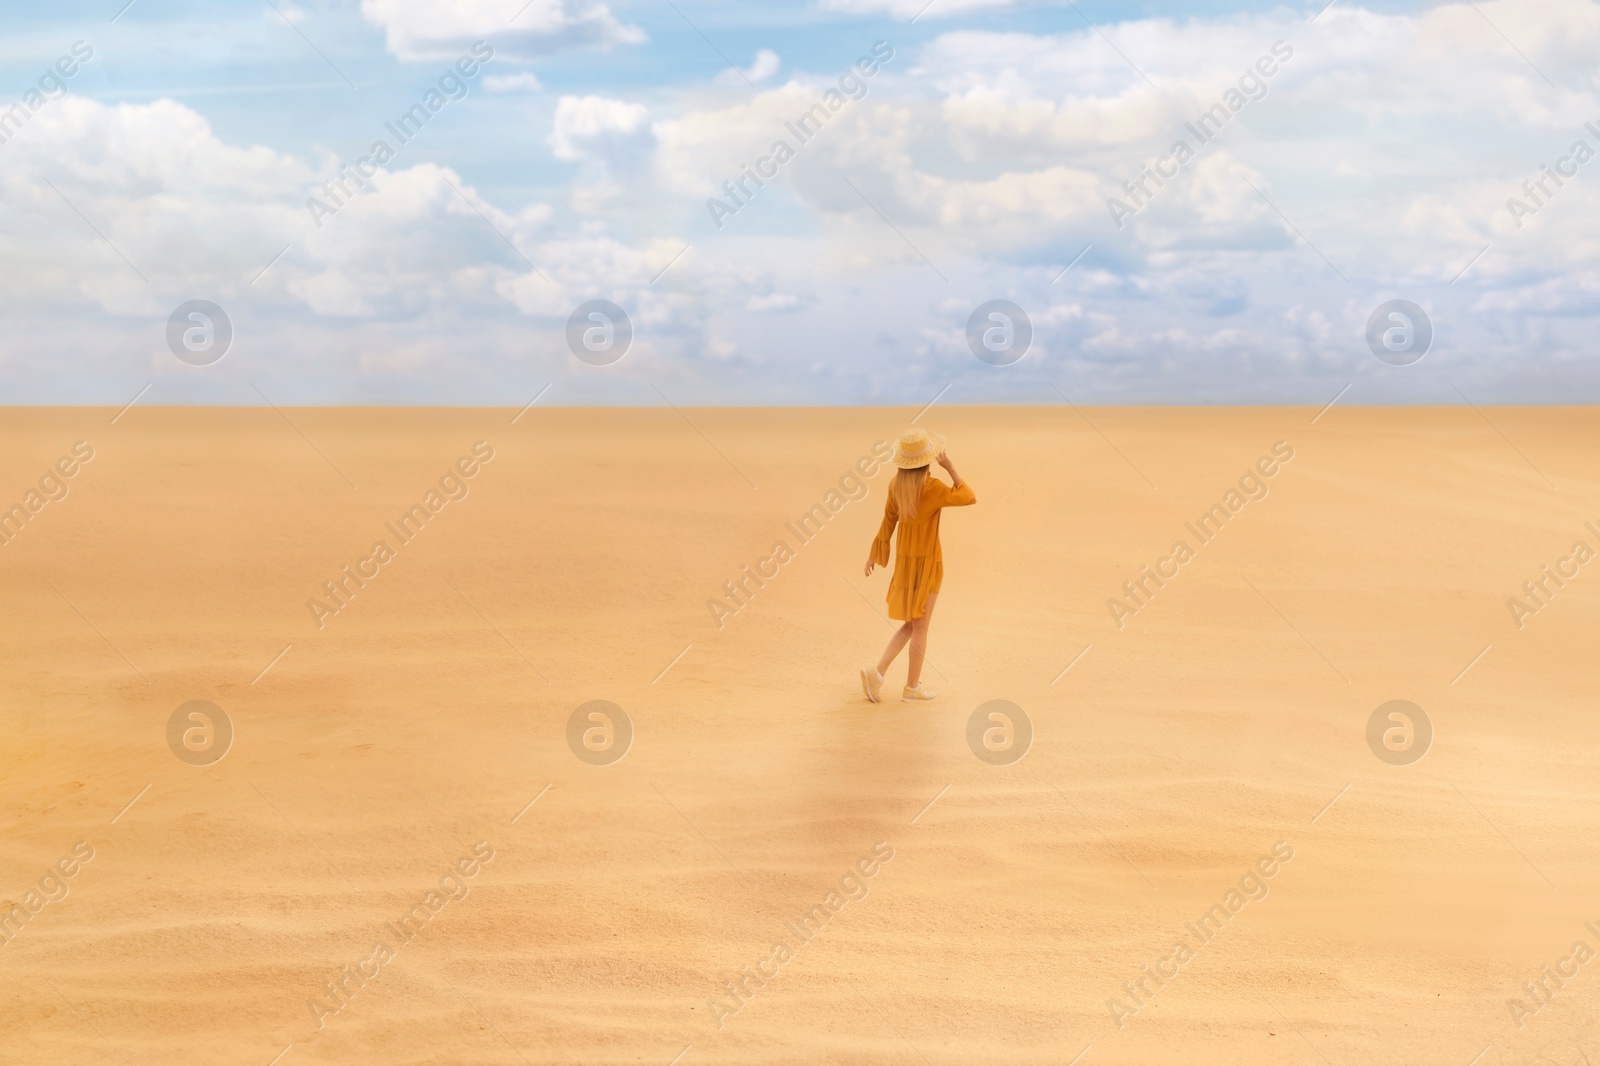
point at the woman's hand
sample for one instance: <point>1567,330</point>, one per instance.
<point>868,570</point>
<point>944,461</point>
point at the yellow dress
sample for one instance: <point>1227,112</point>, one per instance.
<point>918,564</point>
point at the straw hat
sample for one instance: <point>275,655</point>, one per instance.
<point>917,447</point>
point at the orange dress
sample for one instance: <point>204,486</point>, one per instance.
<point>918,564</point>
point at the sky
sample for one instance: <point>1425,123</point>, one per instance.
<point>960,152</point>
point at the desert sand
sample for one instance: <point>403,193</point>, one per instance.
<point>375,746</point>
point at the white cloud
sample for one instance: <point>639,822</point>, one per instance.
<point>596,128</point>
<point>193,213</point>
<point>511,83</point>
<point>420,30</point>
<point>905,10</point>
<point>1575,294</point>
<point>612,139</point>
<point>156,182</point>
<point>1387,143</point>
<point>777,303</point>
<point>763,67</point>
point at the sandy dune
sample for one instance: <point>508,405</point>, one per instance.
<point>403,735</point>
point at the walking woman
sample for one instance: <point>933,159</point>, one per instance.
<point>915,500</point>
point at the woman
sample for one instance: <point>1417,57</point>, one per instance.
<point>915,500</point>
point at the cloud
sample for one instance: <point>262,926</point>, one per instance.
<point>428,30</point>
<point>596,128</point>
<point>417,237</point>
<point>612,140</point>
<point>905,10</point>
<point>160,187</point>
<point>511,83</point>
<point>1387,145</point>
<point>776,303</point>
<point>764,66</point>
<point>194,214</point>
<point>1568,295</point>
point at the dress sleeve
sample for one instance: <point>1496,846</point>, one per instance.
<point>880,545</point>
<point>960,497</point>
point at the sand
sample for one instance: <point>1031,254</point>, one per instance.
<point>1007,906</point>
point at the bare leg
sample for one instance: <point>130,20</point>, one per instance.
<point>896,642</point>
<point>919,644</point>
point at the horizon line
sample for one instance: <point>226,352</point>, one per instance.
<point>1308,405</point>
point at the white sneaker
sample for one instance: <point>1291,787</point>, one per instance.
<point>910,695</point>
<point>872,683</point>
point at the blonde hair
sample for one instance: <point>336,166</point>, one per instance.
<point>906,490</point>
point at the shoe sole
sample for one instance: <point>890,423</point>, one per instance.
<point>867,688</point>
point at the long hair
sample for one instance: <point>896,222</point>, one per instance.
<point>906,491</point>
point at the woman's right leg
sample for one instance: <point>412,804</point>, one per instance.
<point>896,642</point>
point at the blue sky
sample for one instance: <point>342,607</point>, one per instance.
<point>1380,161</point>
